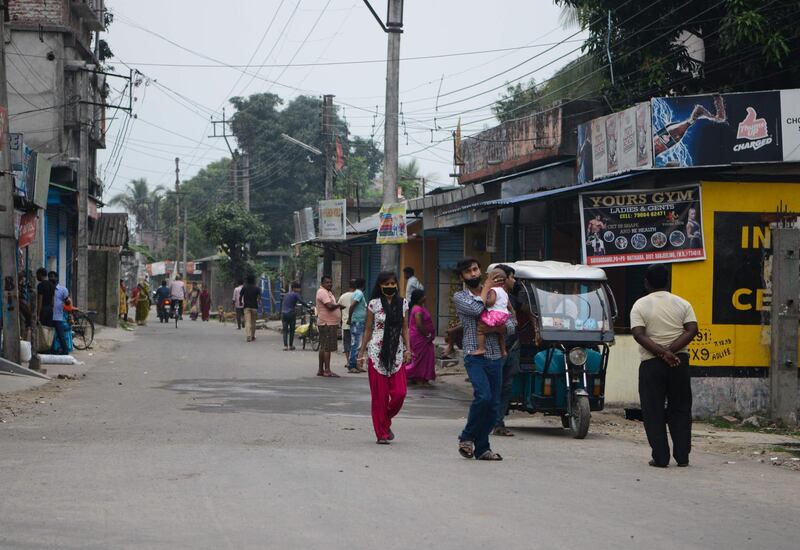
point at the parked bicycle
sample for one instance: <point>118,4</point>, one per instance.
<point>307,330</point>
<point>82,328</point>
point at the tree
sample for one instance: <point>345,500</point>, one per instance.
<point>236,232</point>
<point>518,100</point>
<point>410,179</point>
<point>747,45</point>
<point>140,202</point>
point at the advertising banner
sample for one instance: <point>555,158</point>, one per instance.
<point>333,219</point>
<point>642,226</point>
<point>616,143</point>
<point>392,224</point>
<point>27,229</point>
<point>718,129</point>
<point>790,125</point>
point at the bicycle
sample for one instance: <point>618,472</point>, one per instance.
<point>173,313</point>
<point>308,330</point>
<point>82,328</point>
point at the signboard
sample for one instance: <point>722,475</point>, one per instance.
<point>333,219</point>
<point>616,143</point>
<point>392,224</point>
<point>635,227</point>
<point>27,229</point>
<point>718,129</point>
<point>304,225</point>
<point>42,181</point>
<point>790,125</point>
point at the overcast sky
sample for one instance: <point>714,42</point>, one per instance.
<point>197,41</point>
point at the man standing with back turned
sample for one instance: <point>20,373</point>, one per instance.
<point>329,314</point>
<point>663,325</point>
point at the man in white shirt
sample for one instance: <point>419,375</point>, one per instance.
<point>663,325</point>
<point>412,283</point>
<point>238,307</point>
<point>177,294</point>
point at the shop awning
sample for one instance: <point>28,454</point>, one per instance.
<point>521,200</point>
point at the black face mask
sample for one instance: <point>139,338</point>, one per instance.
<point>389,290</point>
<point>473,283</point>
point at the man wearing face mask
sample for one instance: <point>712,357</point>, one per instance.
<point>485,371</point>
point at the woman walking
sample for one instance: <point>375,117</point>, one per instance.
<point>205,304</point>
<point>141,301</point>
<point>385,344</point>
<point>194,299</point>
<point>422,368</point>
<point>123,301</point>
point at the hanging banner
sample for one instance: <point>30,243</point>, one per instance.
<point>719,129</point>
<point>642,226</point>
<point>392,224</point>
<point>616,143</point>
<point>333,220</point>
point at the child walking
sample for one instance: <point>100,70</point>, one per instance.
<point>497,309</point>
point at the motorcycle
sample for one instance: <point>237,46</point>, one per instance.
<point>163,310</point>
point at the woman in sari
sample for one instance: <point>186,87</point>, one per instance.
<point>123,301</point>
<point>194,302</point>
<point>141,301</point>
<point>205,304</point>
<point>422,368</point>
<point>385,346</point>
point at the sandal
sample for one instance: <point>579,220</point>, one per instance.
<point>382,442</point>
<point>502,430</point>
<point>330,375</point>
<point>391,435</point>
<point>466,449</point>
<point>490,455</point>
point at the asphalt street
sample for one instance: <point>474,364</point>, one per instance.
<point>193,438</point>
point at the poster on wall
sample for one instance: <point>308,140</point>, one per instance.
<point>333,219</point>
<point>392,224</point>
<point>790,125</point>
<point>707,130</point>
<point>636,227</point>
<point>616,143</point>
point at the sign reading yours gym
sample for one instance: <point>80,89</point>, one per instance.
<point>635,227</point>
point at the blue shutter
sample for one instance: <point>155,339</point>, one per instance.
<point>374,266</point>
<point>51,234</point>
<point>451,248</point>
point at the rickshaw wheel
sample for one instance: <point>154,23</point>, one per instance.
<point>580,417</point>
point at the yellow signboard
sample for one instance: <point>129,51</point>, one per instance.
<point>727,289</point>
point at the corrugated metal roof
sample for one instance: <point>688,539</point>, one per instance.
<point>110,229</point>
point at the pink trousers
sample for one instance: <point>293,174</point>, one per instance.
<point>388,394</point>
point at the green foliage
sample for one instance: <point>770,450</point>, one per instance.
<point>517,101</point>
<point>747,44</point>
<point>140,202</point>
<point>236,232</point>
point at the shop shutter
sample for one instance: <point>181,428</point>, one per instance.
<point>374,265</point>
<point>51,234</point>
<point>451,248</point>
<point>533,242</point>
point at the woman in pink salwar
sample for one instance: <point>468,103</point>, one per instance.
<point>422,368</point>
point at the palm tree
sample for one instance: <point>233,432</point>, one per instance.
<point>410,179</point>
<point>139,201</point>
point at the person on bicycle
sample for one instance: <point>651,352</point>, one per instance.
<point>162,293</point>
<point>177,294</point>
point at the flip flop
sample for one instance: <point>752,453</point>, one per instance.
<point>466,449</point>
<point>331,375</point>
<point>490,455</point>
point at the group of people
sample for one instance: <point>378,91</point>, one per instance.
<point>246,302</point>
<point>52,298</point>
<point>198,299</point>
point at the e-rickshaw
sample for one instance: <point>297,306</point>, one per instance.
<point>565,331</point>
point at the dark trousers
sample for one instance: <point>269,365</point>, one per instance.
<point>60,337</point>
<point>486,376</point>
<point>289,323</point>
<point>658,382</point>
<point>239,318</point>
<point>510,370</point>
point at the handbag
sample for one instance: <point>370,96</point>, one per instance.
<point>44,337</point>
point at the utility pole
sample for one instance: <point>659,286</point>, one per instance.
<point>8,243</point>
<point>185,235</point>
<point>327,135</point>
<point>246,180</point>
<point>394,27</point>
<point>784,317</point>
<point>83,197</point>
<point>177,211</point>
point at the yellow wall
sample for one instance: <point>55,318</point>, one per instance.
<point>731,345</point>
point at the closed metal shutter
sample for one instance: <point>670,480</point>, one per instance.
<point>374,265</point>
<point>451,248</point>
<point>51,234</point>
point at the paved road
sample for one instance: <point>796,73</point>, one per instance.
<point>194,439</point>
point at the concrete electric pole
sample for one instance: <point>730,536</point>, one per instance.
<point>327,136</point>
<point>177,212</point>
<point>246,181</point>
<point>83,198</point>
<point>394,28</point>
<point>185,235</point>
<point>8,242</point>
<point>784,318</point>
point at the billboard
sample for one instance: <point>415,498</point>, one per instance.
<point>708,130</point>
<point>392,224</point>
<point>333,219</point>
<point>636,227</point>
<point>616,143</point>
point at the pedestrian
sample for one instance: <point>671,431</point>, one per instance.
<point>345,300</point>
<point>663,324</point>
<point>485,371</point>
<point>162,294</point>
<point>497,309</point>
<point>329,313</point>
<point>289,315</point>
<point>205,304</point>
<point>422,368</point>
<point>386,346</point>
<point>177,295</point>
<point>194,302</point>
<point>237,304</point>
<point>60,298</point>
<point>358,317</point>
<point>251,300</point>
<point>513,340</point>
<point>141,301</point>
<point>123,301</point>
<point>412,283</point>
<point>44,298</point>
